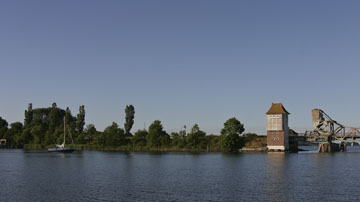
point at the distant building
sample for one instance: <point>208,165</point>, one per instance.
<point>277,128</point>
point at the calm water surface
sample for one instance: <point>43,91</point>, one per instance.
<point>134,176</point>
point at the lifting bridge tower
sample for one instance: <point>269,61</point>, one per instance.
<point>335,133</point>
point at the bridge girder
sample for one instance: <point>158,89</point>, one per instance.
<point>326,127</point>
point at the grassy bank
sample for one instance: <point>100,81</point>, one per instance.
<point>247,142</point>
<point>119,148</point>
<point>255,142</point>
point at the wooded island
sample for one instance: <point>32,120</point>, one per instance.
<point>43,128</point>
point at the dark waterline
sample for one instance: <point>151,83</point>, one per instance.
<point>137,176</point>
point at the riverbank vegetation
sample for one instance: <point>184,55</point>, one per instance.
<point>44,127</point>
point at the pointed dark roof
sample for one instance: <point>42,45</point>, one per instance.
<point>277,108</point>
<point>292,132</point>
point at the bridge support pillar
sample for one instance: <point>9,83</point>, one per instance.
<point>328,147</point>
<point>343,146</point>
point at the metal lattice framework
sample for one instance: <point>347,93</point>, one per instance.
<point>327,127</point>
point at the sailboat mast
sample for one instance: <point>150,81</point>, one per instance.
<point>64,128</point>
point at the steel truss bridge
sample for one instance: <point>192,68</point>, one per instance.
<point>329,130</point>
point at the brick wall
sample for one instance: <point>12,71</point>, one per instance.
<point>275,138</point>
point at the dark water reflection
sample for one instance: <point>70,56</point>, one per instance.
<point>135,176</point>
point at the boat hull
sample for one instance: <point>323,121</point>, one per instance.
<point>61,150</point>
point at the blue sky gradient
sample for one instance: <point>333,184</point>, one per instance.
<point>182,62</point>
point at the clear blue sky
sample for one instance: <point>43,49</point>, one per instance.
<point>182,62</point>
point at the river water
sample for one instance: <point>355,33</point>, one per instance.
<point>136,176</point>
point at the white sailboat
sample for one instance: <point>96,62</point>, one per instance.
<point>61,148</point>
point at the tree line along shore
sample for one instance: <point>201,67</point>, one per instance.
<point>44,127</point>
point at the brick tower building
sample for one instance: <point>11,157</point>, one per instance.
<point>277,128</point>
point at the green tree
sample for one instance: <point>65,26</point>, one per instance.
<point>70,125</point>
<point>80,120</point>
<point>165,140</point>
<point>3,127</point>
<point>81,139</point>
<point>129,118</point>
<point>139,139</point>
<point>24,138</point>
<point>90,132</point>
<point>250,135</point>
<point>43,126</point>
<point>230,139</point>
<point>49,138</point>
<point>28,115</point>
<point>11,134</point>
<point>196,138</point>
<point>155,137</point>
<point>37,132</point>
<point>114,136</point>
<point>16,126</point>
<point>177,140</point>
<point>182,133</point>
<point>69,118</point>
<point>54,118</point>
<point>99,138</point>
<point>214,142</point>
